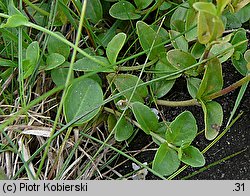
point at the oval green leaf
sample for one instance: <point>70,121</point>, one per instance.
<point>149,40</point>
<point>206,7</point>
<point>192,156</point>
<point>142,4</point>
<point>197,50</point>
<point>33,53</point>
<point>193,85</point>
<point>240,63</point>
<point>178,18</point>
<point>240,36</point>
<point>59,75</point>
<point>161,132</point>
<point>57,46</point>
<point>162,87</point>
<point>124,130</point>
<point>191,21</point>
<point>94,11</point>
<point>145,117</point>
<point>32,57</point>
<point>179,42</point>
<point>213,117</point>
<point>15,21</point>
<point>166,160</point>
<point>86,64</point>
<point>218,49</point>
<point>124,10</point>
<point>182,130</point>
<point>123,82</point>
<point>212,80</point>
<point>182,60</point>
<point>83,99</point>
<point>114,47</point>
<point>54,60</point>
<point>28,68</point>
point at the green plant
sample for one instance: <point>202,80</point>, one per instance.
<point>185,40</point>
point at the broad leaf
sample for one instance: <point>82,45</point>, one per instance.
<point>182,130</point>
<point>59,75</point>
<point>206,7</point>
<point>162,33</point>
<point>94,11</point>
<point>193,85</point>
<point>111,122</point>
<point>182,60</point>
<point>212,80</point>
<point>33,53</point>
<point>15,21</point>
<point>149,39</point>
<point>124,10</point>
<point>83,99</point>
<point>161,132</point>
<point>165,6</point>
<point>54,60</point>
<point>240,36</point>
<point>210,27</point>
<point>191,21</point>
<point>145,117</point>
<point>114,47</point>
<point>178,18</point>
<point>123,130</point>
<point>244,13</point>
<point>28,68</point>
<point>239,63</point>
<point>32,57</point>
<point>166,160</point>
<point>179,42</point>
<point>219,48</point>
<point>123,82</point>
<point>162,87</point>
<point>12,10</point>
<point>213,117</point>
<point>192,156</point>
<point>142,4</point>
<point>57,46</point>
<point>197,50</point>
<point>86,64</point>
<point>221,4</point>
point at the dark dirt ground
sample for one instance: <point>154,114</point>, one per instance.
<point>236,139</point>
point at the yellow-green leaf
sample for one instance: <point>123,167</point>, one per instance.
<point>213,117</point>
<point>114,47</point>
<point>15,21</point>
<point>212,80</point>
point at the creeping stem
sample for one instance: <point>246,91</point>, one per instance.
<point>208,97</point>
<point>229,88</point>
